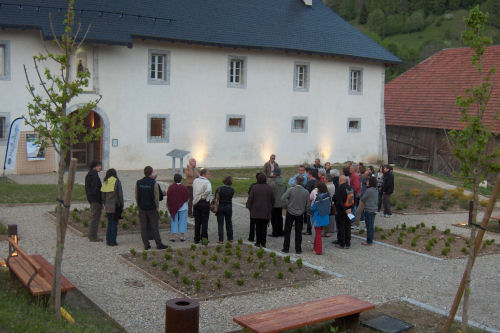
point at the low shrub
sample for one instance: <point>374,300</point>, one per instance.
<point>299,263</point>
<point>175,271</point>
<point>164,267</point>
<point>240,240</point>
<point>445,251</point>
<point>218,284</point>
<point>144,255</point>
<point>197,285</point>
<point>228,274</point>
<point>256,274</point>
<point>236,265</point>
<point>193,247</point>
<point>154,263</point>
<point>287,259</point>
<point>280,275</point>
<point>415,192</point>
<point>447,231</point>
<point>436,193</point>
<point>203,261</point>
<point>262,265</point>
<point>361,231</point>
<point>290,269</point>
<point>400,240</point>
<point>240,282</point>
<point>186,280</point>
<point>192,267</point>
<point>180,262</point>
<point>133,252</point>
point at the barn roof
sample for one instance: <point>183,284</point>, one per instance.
<point>285,25</point>
<point>425,95</point>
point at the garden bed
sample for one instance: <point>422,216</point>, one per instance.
<point>414,196</point>
<point>130,224</point>
<point>493,226</point>
<point>437,243</point>
<point>206,272</point>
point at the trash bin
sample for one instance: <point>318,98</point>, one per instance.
<point>182,316</point>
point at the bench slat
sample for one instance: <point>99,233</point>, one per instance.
<point>299,315</point>
<point>23,270</point>
<point>24,255</point>
<point>48,270</point>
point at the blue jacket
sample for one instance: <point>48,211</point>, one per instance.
<point>291,182</point>
<point>321,207</point>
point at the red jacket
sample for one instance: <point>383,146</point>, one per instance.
<point>355,183</point>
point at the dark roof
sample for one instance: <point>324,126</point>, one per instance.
<point>425,95</point>
<point>264,24</point>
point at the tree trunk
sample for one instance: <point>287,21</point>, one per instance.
<point>61,226</point>
<point>472,254</point>
<point>474,249</point>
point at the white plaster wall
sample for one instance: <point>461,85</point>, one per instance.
<point>198,101</point>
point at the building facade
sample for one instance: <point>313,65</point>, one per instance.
<point>229,105</point>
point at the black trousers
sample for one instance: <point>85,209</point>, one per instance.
<point>260,231</point>
<point>289,221</point>
<point>344,228</point>
<point>201,214</point>
<point>307,221</point>
<point>251,234</point>
<point>277,221</point>
<point>225,213</point>
<point>149,225</point>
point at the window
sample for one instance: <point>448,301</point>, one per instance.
<point>158,128</point>
<point>301,77</point>
<point>236,72</point>
<point>159,67</point>
<point>299,124</point>
<point>4,125</point>
<point>356,81</point>
<point>235,123</point>
<point>354,125</point>
<point>4,60</point>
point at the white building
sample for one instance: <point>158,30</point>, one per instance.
<point>231,82</point>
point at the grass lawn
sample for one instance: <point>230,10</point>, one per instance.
<point>11,192</point>
<point>22,313</point>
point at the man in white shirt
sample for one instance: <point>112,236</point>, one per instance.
<point>202,194</point>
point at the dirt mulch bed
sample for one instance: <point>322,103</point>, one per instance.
<point>130,224</point>
<point>437,243</point>
<point>206,272</point>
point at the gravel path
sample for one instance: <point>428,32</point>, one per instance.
<point>376,273</point>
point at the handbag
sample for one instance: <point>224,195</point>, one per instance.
<point>214,204</point>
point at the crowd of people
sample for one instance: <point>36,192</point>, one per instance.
<point>324,199</point>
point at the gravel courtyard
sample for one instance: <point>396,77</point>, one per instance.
<point>377,274</point>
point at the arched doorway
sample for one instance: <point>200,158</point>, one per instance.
<point>85,153</point>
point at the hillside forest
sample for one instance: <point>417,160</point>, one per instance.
<point>414,30</point>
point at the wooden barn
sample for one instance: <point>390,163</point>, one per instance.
<point>420,108</point>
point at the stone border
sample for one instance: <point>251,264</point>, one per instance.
<point>81,234</point>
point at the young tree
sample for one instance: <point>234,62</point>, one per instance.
<point>363,15</point>
<point>472,145</point>
<point>48,115</point>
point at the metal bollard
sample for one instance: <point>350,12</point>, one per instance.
<point>182,316</point>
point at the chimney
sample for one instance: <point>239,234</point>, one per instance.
<point>308,2</point>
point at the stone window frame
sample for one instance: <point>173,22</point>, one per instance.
<point>235,129</point>
<point>166,64</point>
<point>6,126</point>
<point>6,60</point>
<point>166,137</point>
<point>351,129</point>
<point>300,130</point>
<point>307,76</point>
<point>359,90</point>
<point>243,81</point>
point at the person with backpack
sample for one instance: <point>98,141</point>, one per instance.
<point>321,217</point>
<point>344,201</point>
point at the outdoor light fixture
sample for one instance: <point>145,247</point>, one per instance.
<point>12,231</point>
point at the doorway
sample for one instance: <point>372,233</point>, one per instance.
<point>85,153</point>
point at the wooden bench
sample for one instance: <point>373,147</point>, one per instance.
<point>34,271</point>
<point>344,308</point>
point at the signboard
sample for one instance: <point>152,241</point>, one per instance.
<point>34,151</point>
<point>10,155</point>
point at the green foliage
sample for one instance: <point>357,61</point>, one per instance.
<point>218,248</point>
<point>228,245</point>
<point>249,259</point>
<point>218,284</point>
<point>240,240</point>
<point>192,268</point>
<point>180,262</point>
<point>168,256</point>
<point>164,267</point>
<point>193,247</point>
<point>214,257</point>
<point>240,282</point>
<point>447,231</point>
<point>179,253</point>
<point>144,255</point>
<point>228,274</point>
<point>287,259</point>
<point>317,272</point>
<point>186,280</point>
<point>203,261</point>
<point>236,265</point>
<point>469,145</point>
<point>133,252</point>
<point>361,231</point>
<point>228,252</point>
<point>262,264</point>
<point>400,240</point>
<point>280,275</point>
<point>445,251</point>
<point>290,269</point>
<point>154,263</point>
<point>260,253</point>
<point>197,285</point>
<point>204,241</point>
<point>256,274</point>
<point>175,271</point>
<point>299,263</point>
